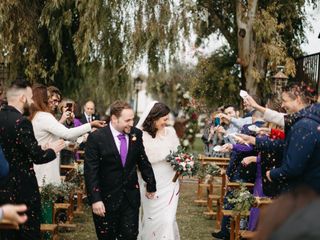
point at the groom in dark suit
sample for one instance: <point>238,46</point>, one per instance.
<point>111,158</point>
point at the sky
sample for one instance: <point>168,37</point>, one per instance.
<point>313,45</point>
<point>189,56</point>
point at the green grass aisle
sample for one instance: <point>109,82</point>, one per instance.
<point>193,225</point>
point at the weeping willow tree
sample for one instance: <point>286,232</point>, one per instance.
<point>89,48</point>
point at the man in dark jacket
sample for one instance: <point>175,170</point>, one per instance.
<point>110,168</point>
<point>301,162</point>
<point>301,157</point>
<point>89,113</point>
<point>21,150</point>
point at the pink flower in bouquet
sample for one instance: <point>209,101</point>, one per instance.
<point>191,163</point>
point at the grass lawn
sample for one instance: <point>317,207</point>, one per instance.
<point>193,225</point>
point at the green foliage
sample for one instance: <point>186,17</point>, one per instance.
<point>48,193</point>
<point>52,192</point>
<point>211,169</point>
<point>163,85</point>
<point>217,80</point>
<point>241,199</point>
<point>89,48</point>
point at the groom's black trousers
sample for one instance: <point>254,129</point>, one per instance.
<point>121,224</point>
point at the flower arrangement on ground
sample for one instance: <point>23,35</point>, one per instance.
<point>185,164</point>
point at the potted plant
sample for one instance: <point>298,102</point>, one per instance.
<point>49,195</point>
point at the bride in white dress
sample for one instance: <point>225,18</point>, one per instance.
<point>158,220</point>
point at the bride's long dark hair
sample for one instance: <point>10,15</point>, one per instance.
<point>158,111</point>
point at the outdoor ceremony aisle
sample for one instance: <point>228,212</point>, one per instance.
<point>193,224</point>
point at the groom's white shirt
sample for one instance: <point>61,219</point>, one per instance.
<point>115,134</point>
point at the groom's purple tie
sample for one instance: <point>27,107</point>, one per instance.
<point>123,148</point>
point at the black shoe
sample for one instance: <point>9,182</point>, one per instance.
<point>220,235</point>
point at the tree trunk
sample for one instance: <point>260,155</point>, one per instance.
<point>246,45</point>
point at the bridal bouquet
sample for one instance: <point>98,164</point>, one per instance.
<point>185,164</point>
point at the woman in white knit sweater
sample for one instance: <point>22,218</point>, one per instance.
<point>47,129</point>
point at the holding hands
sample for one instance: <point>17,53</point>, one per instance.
<point>150,195</point>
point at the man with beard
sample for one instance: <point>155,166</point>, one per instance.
<point>110,169</point>
<point>21,150</point>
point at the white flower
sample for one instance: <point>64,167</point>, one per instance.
<point>186,95</point>
<point>185,142</point>
<point>183,164</point>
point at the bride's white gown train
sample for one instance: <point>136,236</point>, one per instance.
<point>158,216</point>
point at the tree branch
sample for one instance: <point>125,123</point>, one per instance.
<point>220,24</point>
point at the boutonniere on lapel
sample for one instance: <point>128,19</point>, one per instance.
<point>133,137</point>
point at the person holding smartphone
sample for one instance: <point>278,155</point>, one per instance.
<point>210,136</point>
<point>66,108</point>
<point>48,129</point>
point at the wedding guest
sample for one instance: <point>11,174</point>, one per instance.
<point>21,150</point>
<point>54,98</point>
<point>211,137</point>
<point>294,215</point>
<point>47,129</point>
<point>301,157</point>
<point>66,112</point>
<point>66,109</point>
<point>233,124</point>
<point>89,113</point>
<point>301,147</point>
<point>78,115</point>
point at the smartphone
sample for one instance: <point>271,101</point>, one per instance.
<point>69,107</point>
<point>216,121</point>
